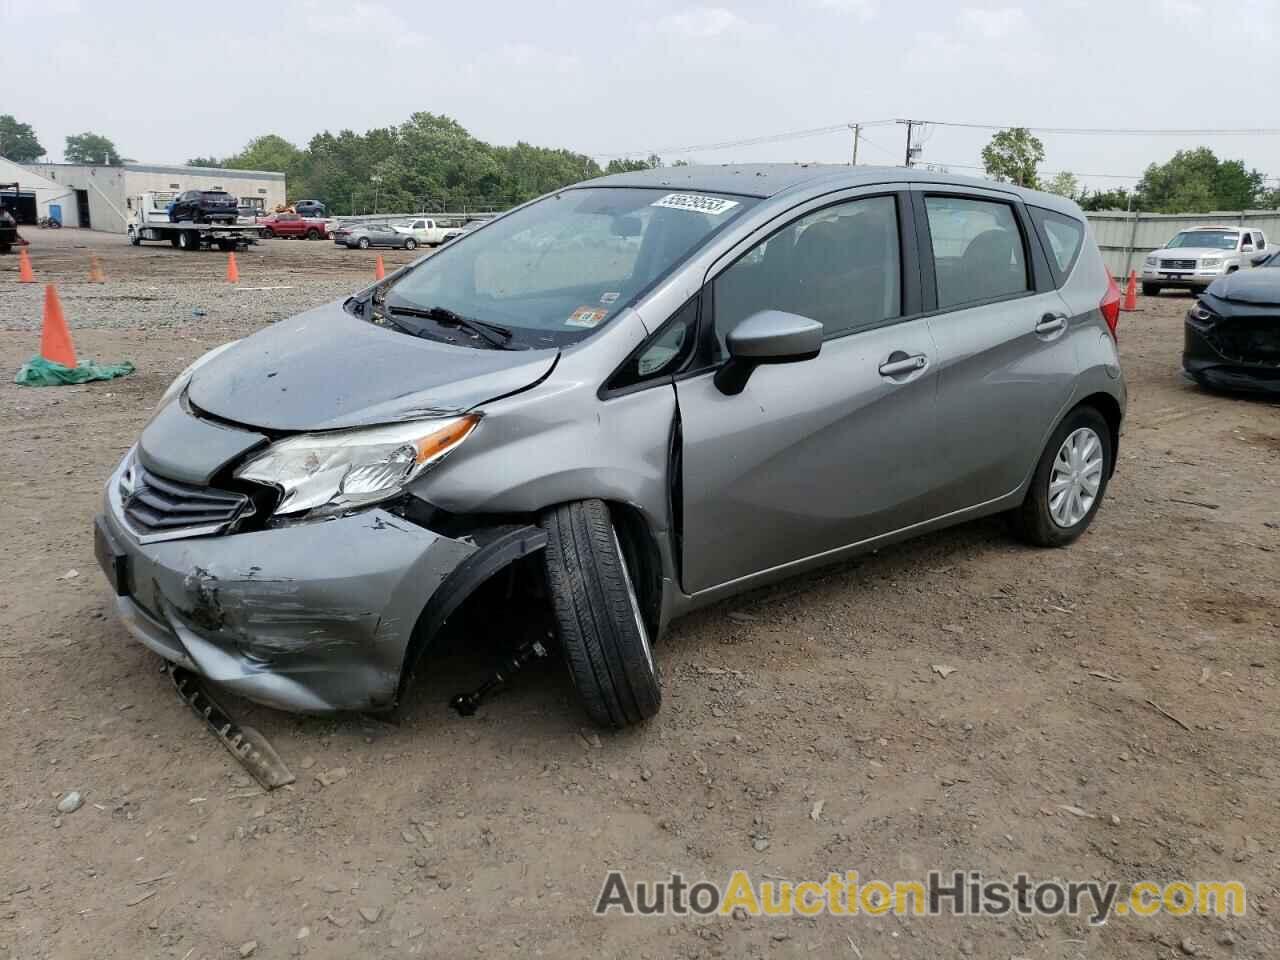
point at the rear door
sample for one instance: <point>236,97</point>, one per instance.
<point>821,454</point>
<point>1007,365</point>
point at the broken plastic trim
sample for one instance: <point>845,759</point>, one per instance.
<point>246,744</point>
<point>499,548</point>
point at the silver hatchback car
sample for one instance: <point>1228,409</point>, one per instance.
<point>613,405</point>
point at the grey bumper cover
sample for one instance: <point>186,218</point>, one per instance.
<point>315,617</point>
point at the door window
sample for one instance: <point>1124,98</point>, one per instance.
<point>840,266</point>
<point>1063,236</point>
<point>978,252</point>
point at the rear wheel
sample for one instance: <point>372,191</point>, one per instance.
<point>313,234</point>
<point>364,243</point>
<point>1151,289</point>
<point>597,612</point>
<point>411,244</point>
<point>268,233</point>
<point>189,240</point>
<point>1069,483</point>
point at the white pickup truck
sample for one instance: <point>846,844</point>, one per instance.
<point>425,230</point>
<point>1200,255</point>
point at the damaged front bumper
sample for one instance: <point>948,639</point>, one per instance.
<point>1234,353</point>
<point>313,617</point>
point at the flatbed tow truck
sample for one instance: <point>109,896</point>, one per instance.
<point>149,220</point>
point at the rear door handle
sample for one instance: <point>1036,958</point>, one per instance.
<point>1051,323</point>
<point>898,364</point>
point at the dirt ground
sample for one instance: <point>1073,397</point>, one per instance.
<point>804,729</point>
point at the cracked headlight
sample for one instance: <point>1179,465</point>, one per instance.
<point>352,468</point>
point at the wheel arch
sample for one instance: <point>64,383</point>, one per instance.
<point>1109,407</point>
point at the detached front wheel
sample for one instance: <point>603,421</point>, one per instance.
<point>597,612</point>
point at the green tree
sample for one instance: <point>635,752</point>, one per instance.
<point>91,148</point>
<point>1117,199</point>
<point>204,162</point>
<point>1064,184</point>
<point>18,141</point>
<point>1196,181</point>
<point>269,152</point>
<point>1012,157</point>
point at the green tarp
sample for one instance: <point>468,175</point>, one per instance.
<point>39,372</point>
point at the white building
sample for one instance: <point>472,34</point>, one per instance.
<point>101,197</point>
<point>35,194</point>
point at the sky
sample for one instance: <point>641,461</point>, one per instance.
<point>608,79</point>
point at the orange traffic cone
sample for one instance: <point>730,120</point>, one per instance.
<point>233,272</point>
<point>55,338</point>
<point>379,271</point>
<point>95,271</point>
<point>25,273</point>
<point>1131,292</point>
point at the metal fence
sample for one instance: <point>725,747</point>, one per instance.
<point>1126,237</point>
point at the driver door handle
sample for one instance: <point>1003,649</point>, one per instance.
<point>896,368</point>
<point>1051,323</point>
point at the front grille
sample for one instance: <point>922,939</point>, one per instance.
<point>1177,264</point>
<point>154,504</point>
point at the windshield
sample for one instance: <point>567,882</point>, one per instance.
<point>557,270</point>
<point>1213,239</point>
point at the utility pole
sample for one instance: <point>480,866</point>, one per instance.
<point>857,130</point>
<point>910,124</point>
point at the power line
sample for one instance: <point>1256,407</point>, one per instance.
<point>745,142</point>
<point>1118,131</point>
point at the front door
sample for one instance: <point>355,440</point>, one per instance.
<point>816,455</point>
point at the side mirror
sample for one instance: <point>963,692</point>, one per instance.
<point>770,336</point>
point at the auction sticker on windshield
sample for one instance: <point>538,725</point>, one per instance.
<point>695,202</point>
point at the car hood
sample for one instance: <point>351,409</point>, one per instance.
<point>1260,286</point>
<point>326,369</point>
<point>1190,253</point>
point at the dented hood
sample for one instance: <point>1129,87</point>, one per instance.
<point>1261,286</point>
<point>326,369</point>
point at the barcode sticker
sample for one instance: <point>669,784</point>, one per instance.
<point>713,206</point>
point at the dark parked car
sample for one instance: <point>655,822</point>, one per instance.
<point>310,208</point>
<point>205,206</point>
<point>1232,339</point>
<point>373,235</point>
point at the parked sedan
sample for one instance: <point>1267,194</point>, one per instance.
<point>753,372</point>
<point>373,235</point>
<point>1232,334</point>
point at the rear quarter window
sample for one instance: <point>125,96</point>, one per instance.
<point>1063,239</point>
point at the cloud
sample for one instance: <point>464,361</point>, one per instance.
<point>999,24</point>
<point>362,17</point>
<point>981,37</point>
<point>702,22</point>
<point>862,9</point>
<point>522,55</point>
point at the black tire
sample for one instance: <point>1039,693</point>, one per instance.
<point>363,243</point>
<point>1151,289</point>
<point>1033,521</point>
<point>313,234</point>
<point>189,240</point>
<point>135,237</point>
<point>597,613</point>
<point>411,244</point>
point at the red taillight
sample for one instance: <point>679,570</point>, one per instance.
<point>1110,305</point>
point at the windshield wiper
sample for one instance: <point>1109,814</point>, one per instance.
<point>492,333</point>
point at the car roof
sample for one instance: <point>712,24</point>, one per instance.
<point>771,179</point>
<point>1210,226</point>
